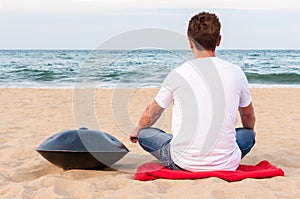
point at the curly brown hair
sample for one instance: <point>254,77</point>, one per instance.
<point>204,30</point>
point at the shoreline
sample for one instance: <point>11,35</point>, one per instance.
<point>133,87</point>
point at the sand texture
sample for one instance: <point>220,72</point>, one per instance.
<point>29,116</point>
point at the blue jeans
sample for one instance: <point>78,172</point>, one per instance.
<point>157,142</point>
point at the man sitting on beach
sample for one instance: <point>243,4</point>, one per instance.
<point>195,145</point>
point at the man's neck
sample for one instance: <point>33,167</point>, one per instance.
<point>203,54</point>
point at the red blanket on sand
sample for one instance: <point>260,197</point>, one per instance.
<point>154,170</point>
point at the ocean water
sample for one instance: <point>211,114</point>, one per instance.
<point>136,68</point>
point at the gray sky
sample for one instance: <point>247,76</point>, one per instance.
<point>85,24</point>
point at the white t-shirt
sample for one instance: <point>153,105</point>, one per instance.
<point>206,94</point>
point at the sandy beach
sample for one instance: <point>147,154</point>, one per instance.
<point>29,116</point>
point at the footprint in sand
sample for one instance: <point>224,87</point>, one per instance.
<point>33,172</point>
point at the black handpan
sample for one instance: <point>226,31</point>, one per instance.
<point>82,149</point>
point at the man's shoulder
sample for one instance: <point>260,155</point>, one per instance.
<point>187,65</point>
<point>181,69</point>
<point>228,67</point>
<point>220,64</point>
<point>204,62</point>
<point>183,65</point>
<point>227,63</point>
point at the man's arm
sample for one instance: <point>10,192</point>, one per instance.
<point>148,118</point>
<point>247,116</point>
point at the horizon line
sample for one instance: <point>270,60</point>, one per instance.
<point>90,49</point>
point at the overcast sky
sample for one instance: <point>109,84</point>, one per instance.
<point>85,24</point>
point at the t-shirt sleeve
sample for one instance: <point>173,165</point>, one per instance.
<point>164,97</point>
<point>245,95</point>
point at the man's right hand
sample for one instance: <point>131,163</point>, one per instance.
<point>133,136</point>
<point>148,118</point>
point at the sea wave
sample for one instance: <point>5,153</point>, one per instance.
<point>137,68</point>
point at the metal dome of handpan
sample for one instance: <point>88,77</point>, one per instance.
<point>82,149</point>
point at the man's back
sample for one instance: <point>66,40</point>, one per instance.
<point>187,145</point>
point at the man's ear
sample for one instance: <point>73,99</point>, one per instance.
<point>192,45</point>
<point>219,40</point>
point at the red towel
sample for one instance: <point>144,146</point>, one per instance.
<point>154,170</point>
